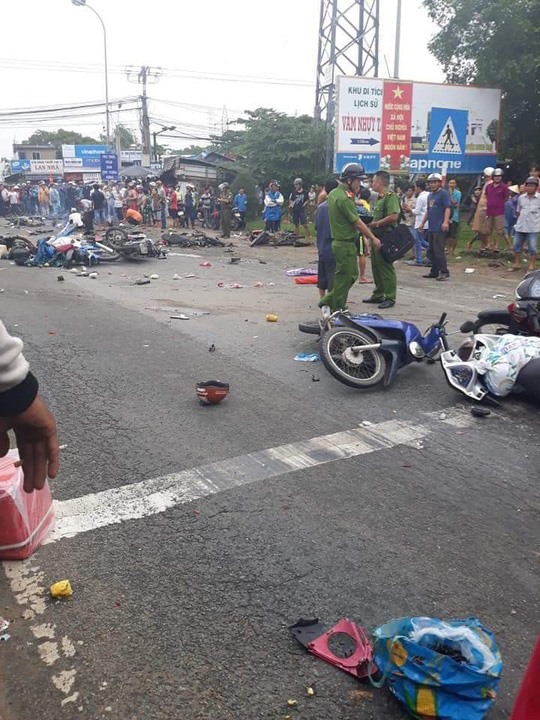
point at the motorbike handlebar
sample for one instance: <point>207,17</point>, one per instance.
<point>442,319</point>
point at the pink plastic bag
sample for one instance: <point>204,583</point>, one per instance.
<point>25,519</point>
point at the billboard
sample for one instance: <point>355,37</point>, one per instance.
<point>414,127</point>
<point>83,157</point>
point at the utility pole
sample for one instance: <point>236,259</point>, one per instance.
<point>398,39</point>
<point>143,76</point>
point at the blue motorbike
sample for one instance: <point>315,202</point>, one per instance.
<point>364,350</point>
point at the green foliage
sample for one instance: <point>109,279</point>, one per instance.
<point>496,43</point>
<point>280,146</point>
<point>127,138</point>
<point>58,138</point>
<point>246,180</point>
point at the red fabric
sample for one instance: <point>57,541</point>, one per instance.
<point>527,705</point>
<point>308,280</point>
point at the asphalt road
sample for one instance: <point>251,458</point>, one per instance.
<point>183,614</point>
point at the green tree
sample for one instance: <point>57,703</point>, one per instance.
<point>58,138</point>
<point>276,145</point>
<point>127,138</point>
<point>496,43</point>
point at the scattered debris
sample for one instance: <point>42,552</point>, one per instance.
<point>310,692</point>
<point>498,295</point>
<point>298,272</point>
<point>62,447</point>
<point>2,290</point>
<point>366,423</point>
<point>205,264</point>
<point>258,284</point>
<point>179,317</point>
<point>5,637</point>
<point>93,275</point>
<point>479,411</point>
<point>212,392</point>
<point>306,280</point>
<point>176,276</point>
<point>199,313</point>
<point>154,276</point>
<point>469,271</point>
<point>4,624</point>
<point>60,278</point>
<point>292,703</point>
<point>442,416</point>
<point>190,275</point>
<point>262,262</point>
<point>271,317</point>
<point>212,348</point>
<point>345,645</point>
<point>307,357</point>
<point>142,281</point>
<point>230,286</point>
<point>315,378</point>
<point>61,589</point>
<point>234,260</point>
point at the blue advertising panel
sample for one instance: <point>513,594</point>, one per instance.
<point>83,157</point>
<point>20,166</point>
<point>109,166</point>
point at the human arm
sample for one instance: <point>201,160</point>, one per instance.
<point>447,212</point>
<point>392,208</point>
<point>24,412</point>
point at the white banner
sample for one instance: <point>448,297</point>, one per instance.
<point>41,167</point>
<point>360,114</point>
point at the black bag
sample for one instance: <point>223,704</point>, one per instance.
<point>396,243</point>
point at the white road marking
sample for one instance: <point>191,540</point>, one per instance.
<point>149,497</point>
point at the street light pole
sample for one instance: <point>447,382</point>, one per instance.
<point>83,3</point>
<point>398,39</point>
<point>158,132</point>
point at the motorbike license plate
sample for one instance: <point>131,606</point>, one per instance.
<point>143,247</point>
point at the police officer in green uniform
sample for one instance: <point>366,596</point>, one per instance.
<point>385,216</point>
<point>345,226</point>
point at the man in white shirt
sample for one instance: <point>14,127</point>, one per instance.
<point>419,210</point>
<point>527,227</point>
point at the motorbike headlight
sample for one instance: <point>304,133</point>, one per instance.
<point>416,350</point>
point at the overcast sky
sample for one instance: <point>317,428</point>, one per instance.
<point>52,53</point>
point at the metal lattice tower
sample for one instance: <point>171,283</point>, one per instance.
<point>348,45</point>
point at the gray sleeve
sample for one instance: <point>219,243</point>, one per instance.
<point>13,366</point>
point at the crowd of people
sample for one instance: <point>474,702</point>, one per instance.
<point>355,213</point>
<point>149,203</point>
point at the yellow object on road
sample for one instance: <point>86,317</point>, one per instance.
<point>61,589</point>
<point>271,318</point>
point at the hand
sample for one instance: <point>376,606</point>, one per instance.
<point>375,242</point>
<point>35,431</point>
<point>421,227</point>
<point>444,227</point>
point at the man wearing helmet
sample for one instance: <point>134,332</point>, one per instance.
<point>527,227</point>
<point>345,225</point>
<point>497,194</point>
<point>437,216</point>
<point>480,221</point>
<point>298,200</point>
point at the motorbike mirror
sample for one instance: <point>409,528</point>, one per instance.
<point>467,327</point>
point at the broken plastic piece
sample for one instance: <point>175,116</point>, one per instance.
<point>292,703</point>
<point>205,264</point>
<point>61,589</point>
<point>5,637</point>
<point>346,645</point>
<point>154,277</point>
<point>479,411</point>
<point>4,624</point>
<point>142,282</point>
<point>179,317</point>
<point>307,357</point>
<point>271,317</point>
<point>310,692</point>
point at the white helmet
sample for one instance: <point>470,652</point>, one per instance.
<point>488,172</point>
<point>435,176</point>
<point>298,181</point>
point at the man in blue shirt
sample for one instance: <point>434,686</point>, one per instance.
<point>455,197</point>
<point>437,216</point>
<point>241,201</point>
<point>327,264</point>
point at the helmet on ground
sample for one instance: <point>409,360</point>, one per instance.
<point>212,392</point>
<point>488,172</point>
<point>498,172</point>
<point>297,181</point>
<point>532,181</point>
<point>352,171</point>
<point>435,176</point>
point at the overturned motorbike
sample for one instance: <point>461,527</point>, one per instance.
<point>521,317</point>
<point>364,350</point>
<point>486,367</point>
<point>132,245</point>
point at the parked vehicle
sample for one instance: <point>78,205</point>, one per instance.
<point>364,350</point>
<point>521,317</point>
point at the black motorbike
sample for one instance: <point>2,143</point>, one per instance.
<point>521,317</point>
<point>132,245</point>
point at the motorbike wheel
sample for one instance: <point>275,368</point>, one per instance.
<point>116,237</point>
<point>361,370</point>
<point>482,328</point>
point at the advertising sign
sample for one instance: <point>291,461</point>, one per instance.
<point>20,166</point>
<point>86,157</point>
<point>413,127</point>
<point>44,167</point>
<point>109,166</point>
